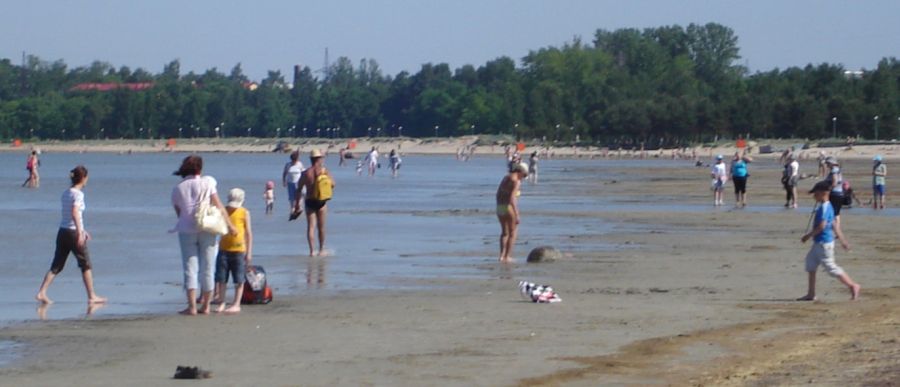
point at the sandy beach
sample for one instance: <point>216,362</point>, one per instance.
<point>683,298</point>
<point>487,145</point>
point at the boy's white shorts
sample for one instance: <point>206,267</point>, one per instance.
<point>823,254</point>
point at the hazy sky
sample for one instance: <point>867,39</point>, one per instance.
<point>402,35</point>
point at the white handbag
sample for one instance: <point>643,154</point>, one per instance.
<point>209,218</point>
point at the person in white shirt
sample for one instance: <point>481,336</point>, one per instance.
<point>72,238</point>
<point>372,159</point>
<point>719,175</point>
<point>198,248</point>
<point>290,176</point>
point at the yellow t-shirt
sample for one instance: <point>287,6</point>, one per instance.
<point>236,243</point>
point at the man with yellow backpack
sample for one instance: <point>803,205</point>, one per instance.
<point>318,186</point>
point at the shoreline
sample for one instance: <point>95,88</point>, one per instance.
<point>439,146</point>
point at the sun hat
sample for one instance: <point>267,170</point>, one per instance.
<point>235,198</point>
<point>831,160</point>
<point>821,186</point>
<point>315,153</point>
<point>521,167</point>
<point>877,158</point>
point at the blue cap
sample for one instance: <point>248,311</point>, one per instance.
<point>719,157</point>
<point>877,158</point>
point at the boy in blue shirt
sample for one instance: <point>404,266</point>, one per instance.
<point>824,232</point>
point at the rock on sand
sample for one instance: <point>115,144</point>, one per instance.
<point>544,254</point>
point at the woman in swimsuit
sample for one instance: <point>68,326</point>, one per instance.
<point>508,209</point>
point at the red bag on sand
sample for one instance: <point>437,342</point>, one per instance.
<point>256,287</point>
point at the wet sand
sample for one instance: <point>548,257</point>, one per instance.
<point>683,298</point>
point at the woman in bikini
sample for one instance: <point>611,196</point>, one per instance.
<point>508,209</point>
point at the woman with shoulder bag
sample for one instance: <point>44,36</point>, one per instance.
<point>194,194</point>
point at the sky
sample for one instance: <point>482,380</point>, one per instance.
<point>401,35</point>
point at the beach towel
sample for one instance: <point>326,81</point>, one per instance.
<point>541,294</point>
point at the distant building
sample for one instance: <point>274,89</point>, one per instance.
<point>854,74</point>
<point>110,86</point>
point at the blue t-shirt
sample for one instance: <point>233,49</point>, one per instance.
<point>739,169</point>
<point>825,213</point>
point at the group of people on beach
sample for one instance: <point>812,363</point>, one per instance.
<point>831,194</point>
<point>208,261</point>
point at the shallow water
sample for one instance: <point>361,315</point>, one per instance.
<point>435,220</point>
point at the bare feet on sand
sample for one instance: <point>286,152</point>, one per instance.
<point>507,260</point>
<point>854,292</point>
<point>220,308</point>
<point>188,312</point>
<point>43,299</point>
<point>234,309</point>
<point>97,300</point>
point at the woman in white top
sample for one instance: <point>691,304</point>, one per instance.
<point>198,248</point>
<point>72,238</point>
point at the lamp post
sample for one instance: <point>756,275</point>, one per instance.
<point>217,132</point>
<point>876,127</point>
<point>64,134</point>
<point>304,132</point>
<point>436,127</point>
<point>833,127</point>
<point>556,135</point>
<point>369,132</point>
<point>378,132</point>
<point>141,133</point>
<point>516,130</point>
<point>149,133</point>
<point>400,132</point>
<point>318,132</point>
<point>292,130</point>
<point>179,132</point>
<point>277,132</point>
<point>248,131</point>
<point>472,128</point>
<point>31,133</point>
<point>337,132</point>
<point>100,134</point>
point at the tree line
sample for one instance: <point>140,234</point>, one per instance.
<point>663,86</point>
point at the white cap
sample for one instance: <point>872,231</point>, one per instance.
<point>235,198</point>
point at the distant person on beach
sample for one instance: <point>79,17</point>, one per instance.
<point>290,176</point>
<point>269,196</point>
<point>836,179</point>
<point>318,185</point>
<point>359,168</point>
<point>719,176</point>
<point>533,167</point>
<point>508,209</point>
<point>825,230</point>
<point>235,253</point>
<point>879,176</point>
<point>341,157</point>
<point>32,164</point>
<point>395,161</point>
<point>372,160</point>
<point>790,177</point>
<point>740,174</point>
<point>72,238</point>
<point>198,248</point>
<point>823,167</point>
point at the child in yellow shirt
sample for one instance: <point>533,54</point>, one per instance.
<point>235,252</point>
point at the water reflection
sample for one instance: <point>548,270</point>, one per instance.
<point>316,268</point>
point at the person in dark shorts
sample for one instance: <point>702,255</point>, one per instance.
<point>72,238</point>
<point>316,209</point>
<point>739,175</point>
<point>836,179</point>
